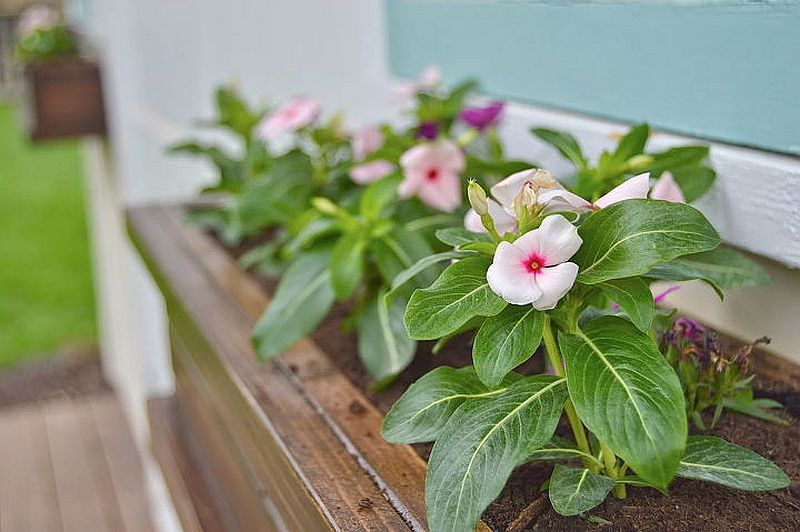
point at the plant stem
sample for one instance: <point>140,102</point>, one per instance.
<point>558,366</point>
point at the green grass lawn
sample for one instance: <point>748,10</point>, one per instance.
<point>46,295</point>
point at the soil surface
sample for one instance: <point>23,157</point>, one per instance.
<point>67,375</point>
<point>692,505</point>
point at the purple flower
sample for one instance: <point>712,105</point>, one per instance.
<point>481,117</point>
<point>428,130</point>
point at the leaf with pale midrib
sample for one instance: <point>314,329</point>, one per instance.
<point>383,343</point>
<point>460,293</point>
<point>482,443</point>
<point>505,341</point>
<point>634,297</point>
<point>628,395</point>
<point>630,237</point>
<point>573,490</point>
<point>715,460</point>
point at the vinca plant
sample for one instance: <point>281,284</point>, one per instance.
<point>352,241</point>
<point>569,268</point>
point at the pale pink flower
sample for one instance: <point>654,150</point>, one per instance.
<point>366,140</point>
<point>428,79</point>
<point>431,171</point>
<point>503,222</point>
<point>561,199</point>
<point>36,17</point>
<point>667,189</point>
<point>534,269</point>
<point>366,173</point>
<point>507,190</point>
<point>291,116</point>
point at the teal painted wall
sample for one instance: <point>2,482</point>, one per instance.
<point>722,70</point>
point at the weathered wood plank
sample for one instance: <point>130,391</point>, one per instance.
<point>28,499</point>
<point>193,503</point>
<point>123,464</point>
<point>80,498</point>
<point>397,468</point>
<point>262,397</point>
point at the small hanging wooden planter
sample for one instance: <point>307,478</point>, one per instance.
<point>295,444</point>
<point>65,99</point>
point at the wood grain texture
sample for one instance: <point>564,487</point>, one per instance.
<point>306,461</point>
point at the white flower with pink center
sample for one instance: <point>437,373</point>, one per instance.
<point>533,270</point>
<point>431,170</point>
<point>365,141</point>
<point>291,116</point>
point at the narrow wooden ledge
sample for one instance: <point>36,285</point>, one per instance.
<point>289,449</point>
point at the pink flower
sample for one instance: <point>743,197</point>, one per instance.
<point>36,17</point>
<point>367,173</point>
<point>291,116</point>
<point>534,268</point>
<point>431,171</point>
<point>667,189</point>
<point>503,222</point>
<point>428,79</point>
<point>366,140</point>
<point>481,117</point>
<point>561,199</point>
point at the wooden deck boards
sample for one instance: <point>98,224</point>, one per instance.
<point>70,466</point>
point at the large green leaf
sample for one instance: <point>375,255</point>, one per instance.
<point>383,343</point>
<point>630,237</point>
<point>634,297</point>
<point>456,236</point>
<point>715,460</point>
<point>628,395</point>
<point>482,443</point>
<point>347,263</point>
<point>573,491</point>
<point>694,181</point>
<point>461,292</point>
<point>723,268</point>
<point>422,411</point>
<point>303,298</point>
<point>505,341</point>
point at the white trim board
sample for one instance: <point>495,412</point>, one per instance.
<point>755,202</point>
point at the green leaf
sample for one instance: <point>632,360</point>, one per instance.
<point>694,181</point>
<point>398,251</point>
<point>628,395</point>
<point>634,297</point>
<point>559,448</point>
<point>564,143</point>
<point>714,460</point>
<point>482,443</point>
<point>460,293</point>
<point>456,236</point>
<point>505,341</point>
<point>755,408</point>
<point>723,268</point>
<point>574,491</point>
<point>630,237</point>
<point>632,143</point>
<point>347,264</point>
<point>378,195</point>
<point>422,411</point>
<point>423,264</point>
<point>675,158</point>
<point>302,299</point>
<point>383,343</point>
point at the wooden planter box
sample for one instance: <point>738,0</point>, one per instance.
<point>65,99</point>
<point>291,444</point>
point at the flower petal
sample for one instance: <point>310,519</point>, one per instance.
<point>634,188</point>
<point>667,189</point>
<point>370,172</point>
<point>443,193</point>
<point>503,222</point>
<point>561,199</point>
<point>508,277</point>
<point>506,190</point>
<point>558,240</point>
<point>554,282</point>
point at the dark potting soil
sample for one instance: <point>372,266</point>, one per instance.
<point>692,505</point>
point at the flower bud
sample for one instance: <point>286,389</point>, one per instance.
<point>477,198</point>
<point>325,206</point>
